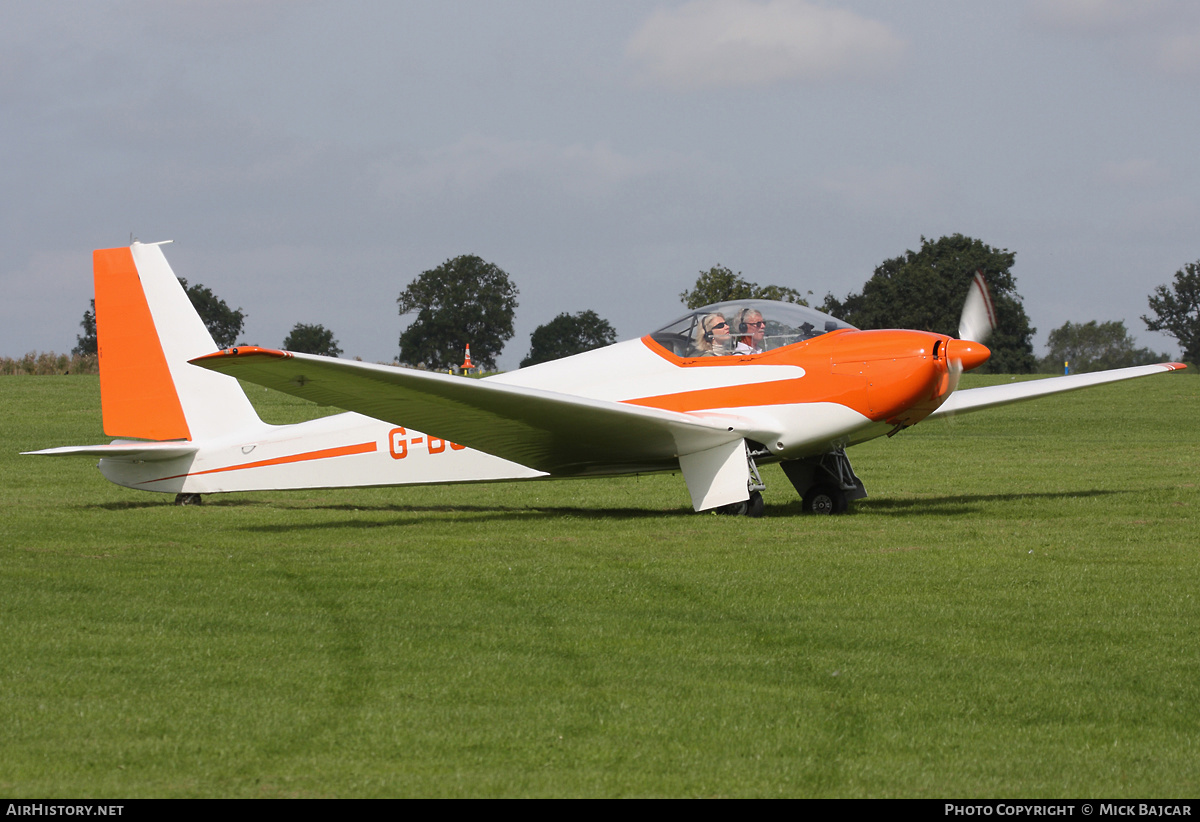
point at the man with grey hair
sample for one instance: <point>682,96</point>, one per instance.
<point>749,328</point>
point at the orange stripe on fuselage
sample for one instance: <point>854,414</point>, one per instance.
<point>137,395</point>
<point>886,375</point>
<point>340,451</point>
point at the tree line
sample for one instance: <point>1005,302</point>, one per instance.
<point>225,324</point>
<point>468,301</point>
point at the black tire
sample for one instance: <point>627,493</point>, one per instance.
<point>187,499</point>
<point>824,500</point>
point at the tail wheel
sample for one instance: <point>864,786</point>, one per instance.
<point>825,500</point>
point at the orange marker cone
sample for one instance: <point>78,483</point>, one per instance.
<point>467,366</point>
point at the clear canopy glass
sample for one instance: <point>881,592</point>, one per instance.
<point>742,327</point>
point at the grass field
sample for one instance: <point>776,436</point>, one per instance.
<point>1012,613</point>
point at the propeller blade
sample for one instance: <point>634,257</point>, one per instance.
<point>954,370</point>
<point>977,323</point>
<point>979,314</point>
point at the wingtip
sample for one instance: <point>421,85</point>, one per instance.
<point>242,351</point>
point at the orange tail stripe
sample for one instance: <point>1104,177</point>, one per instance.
<point>341,451</point>
<point>137,394</point>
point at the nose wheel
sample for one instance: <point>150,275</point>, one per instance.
<point>826,484</point>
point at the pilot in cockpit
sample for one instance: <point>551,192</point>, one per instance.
<point>749,329</point>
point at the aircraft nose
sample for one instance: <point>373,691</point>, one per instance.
<point>970,354</point>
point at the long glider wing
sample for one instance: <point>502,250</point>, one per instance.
<point>976,399</point>
<point>557,433</point>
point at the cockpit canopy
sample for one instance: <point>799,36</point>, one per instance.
<point>743,327</point>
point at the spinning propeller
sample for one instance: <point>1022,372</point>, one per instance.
<point>976,325</point>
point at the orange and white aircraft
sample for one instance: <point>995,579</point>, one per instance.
<point>713,395</point>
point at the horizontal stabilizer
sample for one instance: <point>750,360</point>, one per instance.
<point>124,450</point>
<point>976,399</point>
<point>557,433</point>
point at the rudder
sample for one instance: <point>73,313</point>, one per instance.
<point>146,331</point>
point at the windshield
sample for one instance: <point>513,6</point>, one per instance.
<point>743,327</point>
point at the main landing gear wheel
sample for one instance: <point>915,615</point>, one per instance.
<point>825,500</point>
<point>187,499</point>
<point>753,507</point>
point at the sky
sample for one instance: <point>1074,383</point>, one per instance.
<point>310,159</point>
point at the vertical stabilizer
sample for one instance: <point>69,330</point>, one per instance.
<point>146,331</point>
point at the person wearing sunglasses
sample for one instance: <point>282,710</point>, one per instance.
<point>749,328</point>
<point>712,337</point>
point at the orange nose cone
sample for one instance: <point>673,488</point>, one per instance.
<point>971,354</point>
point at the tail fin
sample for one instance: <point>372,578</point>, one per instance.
<point>147,330</point>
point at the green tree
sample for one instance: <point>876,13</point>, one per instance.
<point>926,289</point>
<point>568,334</point>
<point>85,344</point>
<point>1177,310</point>
<point>222,322</point>
<point>464,301</point>
<point>312,339</point>
<point>1094,346</point>
<point>719,284</point>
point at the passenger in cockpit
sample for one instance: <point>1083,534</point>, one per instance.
<point>712,337</point>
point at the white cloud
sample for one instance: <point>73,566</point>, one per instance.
<point>1163,34</point>
<point>727,43</point>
